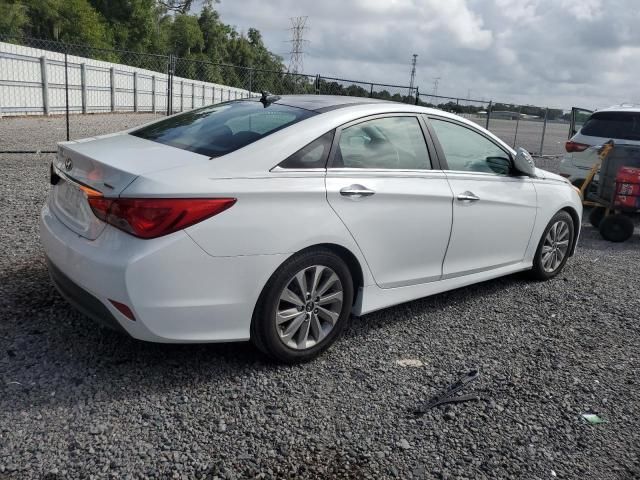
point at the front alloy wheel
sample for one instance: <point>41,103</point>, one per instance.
<point>554,247</point>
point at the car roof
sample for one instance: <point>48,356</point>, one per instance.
<point>625,107</point>
<point>324,103</point>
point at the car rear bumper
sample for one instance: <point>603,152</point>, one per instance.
<point>82,300</point>
<point>176,291</point>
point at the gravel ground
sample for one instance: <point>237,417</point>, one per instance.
<point>80,402</point>
<point>42,133</point>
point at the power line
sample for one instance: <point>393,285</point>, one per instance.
<point>298,28</point>
<point>413,73</point>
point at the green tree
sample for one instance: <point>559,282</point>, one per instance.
<point>133,23</point>
<point>185,35</point>
<point>13,18</point>
<point>72,21</point>
<point>214,33</point>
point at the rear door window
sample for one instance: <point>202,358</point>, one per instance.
<point>621,125</point>
<point>220,129</point>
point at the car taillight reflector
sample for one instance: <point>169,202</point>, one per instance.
<point>155,217</point>
<point>123,309</point>
<point>575,147</point>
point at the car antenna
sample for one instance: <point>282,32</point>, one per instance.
<point>267,99</point>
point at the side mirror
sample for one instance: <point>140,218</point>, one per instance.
<point>523,162</point>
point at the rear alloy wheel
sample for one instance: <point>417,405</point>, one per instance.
<point>616,228</point>
<point>553,249</point>
<point>304,307</point>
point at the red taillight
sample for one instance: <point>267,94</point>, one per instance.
<point>154,217</point>
<point>575,147</point>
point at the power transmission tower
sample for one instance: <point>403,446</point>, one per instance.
<point>298,28</point>
<point>413,73</point>
<point>435,85</point>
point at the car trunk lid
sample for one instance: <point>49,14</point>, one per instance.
<point>107,165</point>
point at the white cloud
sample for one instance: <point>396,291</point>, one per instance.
<point>554,52</point>
<point>588,10</point>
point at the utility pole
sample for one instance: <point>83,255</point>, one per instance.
<point>298,28</point>
<point>435,86</point>
<point>413,73</point>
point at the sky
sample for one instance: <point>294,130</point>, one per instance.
<point>556,53</point>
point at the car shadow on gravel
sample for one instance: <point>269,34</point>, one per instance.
<point>433,303</point>
<point>51,354</point>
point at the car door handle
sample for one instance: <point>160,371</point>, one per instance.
<point>356,191</point>
<point>468,197</point>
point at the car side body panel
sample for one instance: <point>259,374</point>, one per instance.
<point>201,284</point>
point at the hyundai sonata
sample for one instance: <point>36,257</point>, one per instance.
<point>274,219</point>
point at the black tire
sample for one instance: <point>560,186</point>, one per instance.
<point>538,271</point>
<point>616,228</point>
<point>265,333</point>
<point>596,215</point>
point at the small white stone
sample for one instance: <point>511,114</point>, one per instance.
<point>409,362</point>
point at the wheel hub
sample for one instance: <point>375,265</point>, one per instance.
<point>309,307</point>
<point>556,246</point>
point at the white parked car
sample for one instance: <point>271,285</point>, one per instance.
<point>275,219</point>
<point>589,129</point>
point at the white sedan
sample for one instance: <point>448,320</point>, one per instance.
<point>274,219</point>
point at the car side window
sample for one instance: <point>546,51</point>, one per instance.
<point>313,155</point>
<point>390,142</point>
<point>468,151</point>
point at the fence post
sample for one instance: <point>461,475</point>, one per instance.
<point>193,95</point>
<point>515,135</point>
<point>202,95</point>
<point>489,114</point>
<point>170,66</point>
<point>153,93</point>
<point>417,96</point>
<point>213,95</point>
<point>45,85</point>
<point>250,81</point>
<point>135,91</point>
<point>83,86</point>
<point>66,90</point>
<point>181,95</point>
<point>371,91</point>
<point>318,84</point>
<point>544,129</point>
<point>113,88</point>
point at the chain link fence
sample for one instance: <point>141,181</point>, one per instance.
<point>542,131</point>
<point>48,78</point>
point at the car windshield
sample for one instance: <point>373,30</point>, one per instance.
<point>220,129</point>
<point>622,125</point>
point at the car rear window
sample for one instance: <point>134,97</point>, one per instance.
<point>220,129</point>
<point>622,125</point>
